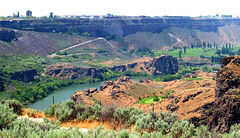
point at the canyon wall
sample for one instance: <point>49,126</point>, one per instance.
<point>118,27</point>
<point>25,75</point>
<point>156,66</point>
<point>226,109</point>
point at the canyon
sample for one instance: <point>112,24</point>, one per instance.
<point>45,36</point>
<point>156,66</point>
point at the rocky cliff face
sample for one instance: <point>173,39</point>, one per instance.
<point>114,91</point>
<point>26,75</point>
<point>190,99</point>
<point>119,27</point>
<point>226,109</point>
<point>156,66</point>
<point>65,70</point>
<point>162,65</point>
<point>6,35</point>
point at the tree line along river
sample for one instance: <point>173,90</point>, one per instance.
<point>65,93</point>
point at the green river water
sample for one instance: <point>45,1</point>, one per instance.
<point>65,93</point>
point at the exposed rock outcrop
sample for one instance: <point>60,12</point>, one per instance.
<point>65,70</point>
<point>119,27</point>
<point>156,66</point>
<point>6,35</point>
<point>120,68</point>
<point>226,109</point>
<point>190,99</point>
<point>114,91</point>
<point>162,65</point>
<point>79,96</point>
<point>26,75</point>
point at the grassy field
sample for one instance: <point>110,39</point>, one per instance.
<point>149,100</point>
<point>196,52</point>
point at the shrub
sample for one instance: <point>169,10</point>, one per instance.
<point>61,53</point>
<point>194,76</point>
<point>27,128</point>
<point>162,122</point>
<point>7,116</point>
<point>31,113</point>
<point>233,133</point>
<point>81,112</point>
<point>202,131</point>
<point>182,128</point>
<point>155,99</point>
<point>123,134</point>
<point>63,110</point>
<point>50,111</point>
<point>16,105</point>
<point>107,113</point>
<point>169,77</point>
<point>94,111</point>
<point>152,135</point>
<point>127,116</point>
<point>99,132</point>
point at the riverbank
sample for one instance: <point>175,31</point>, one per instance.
<point>65,93</point>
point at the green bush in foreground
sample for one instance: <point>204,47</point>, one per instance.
<point>7,116</point>
<point>16,105</point>
<point>147,125</point>
<point>162,124</point>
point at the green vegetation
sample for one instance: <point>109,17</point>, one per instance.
<point>150,100</point>
<point>29,92</point>
<point>28,13</point>
<point>169,77</point>
<point>15,105</point>
<point>204,51</point>
<point>193,79</point>
<point>146,125</point>
<point>144,50</point>
<point>153,98</point>
<point>7,116</point>
<point>10,64</point>
<point>196,52</point>
<point>108,74</point>
<point>61,53</point>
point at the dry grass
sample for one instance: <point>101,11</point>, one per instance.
<point>36,114</point>
<point>192,107</point>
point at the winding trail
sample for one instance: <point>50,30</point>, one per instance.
<point>178,40</point>
<point>77,45</point>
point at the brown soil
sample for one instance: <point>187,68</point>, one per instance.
<point>37,114</point>
<point>122,62</point>
<point>190,97</point>
<point>38,117</point>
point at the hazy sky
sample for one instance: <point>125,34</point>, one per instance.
<point>121,7</point>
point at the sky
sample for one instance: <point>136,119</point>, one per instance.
<point>191,8</point>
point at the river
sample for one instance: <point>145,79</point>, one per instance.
<point>65,93</point>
